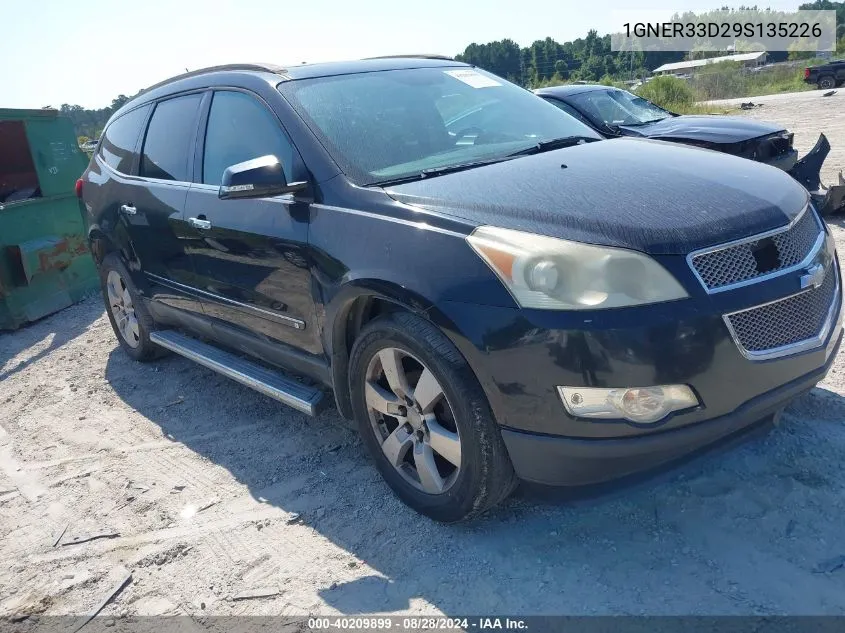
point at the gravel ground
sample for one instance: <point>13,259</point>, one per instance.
<point>211,495</point>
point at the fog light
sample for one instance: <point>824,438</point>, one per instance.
<point>643,405</point>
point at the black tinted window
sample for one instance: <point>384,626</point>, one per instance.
<point>241,128</point>
<point>120,139</point>
<point>170,134</point>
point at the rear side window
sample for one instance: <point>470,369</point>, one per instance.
<point>568,109</point>
<point>120,139</point>
<point>241,128</point>
<point>169,141</point>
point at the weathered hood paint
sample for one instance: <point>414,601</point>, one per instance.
<point>652,196</point>
<point>713,129</point>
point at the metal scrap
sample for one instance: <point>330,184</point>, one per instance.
<point>61,534</point>
<point>85,538</point>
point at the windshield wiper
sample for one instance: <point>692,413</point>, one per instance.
<point>663,118</point>
<point>554,143</point>
<point>439,171</point>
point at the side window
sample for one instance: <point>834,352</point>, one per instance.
<point>569,110</point>
<point>120,138</point>
<point>241,128</point>
<point>170,135</point>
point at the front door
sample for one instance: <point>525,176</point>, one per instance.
<point>250,255</point>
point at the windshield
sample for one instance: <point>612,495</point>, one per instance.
<point>617,107</point>
<point>386,125</point>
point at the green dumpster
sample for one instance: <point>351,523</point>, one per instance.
<point>44,260</point>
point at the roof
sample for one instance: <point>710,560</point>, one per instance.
<point>323,69</point>
<point>571,89</point>
<point>697,63</point>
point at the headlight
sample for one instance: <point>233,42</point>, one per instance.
<point>643,405</point>
<point>554,274</point>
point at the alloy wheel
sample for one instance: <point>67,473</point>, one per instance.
<point>120,302</point>
<point>412,420</point>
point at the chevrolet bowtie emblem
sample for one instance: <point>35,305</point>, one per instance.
<point>813,277</point>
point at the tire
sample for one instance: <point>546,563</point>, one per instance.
<point>129,309</point>
<point>827,82</point>
<point>484,476</point>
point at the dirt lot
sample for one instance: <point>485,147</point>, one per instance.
<point>207,491</point>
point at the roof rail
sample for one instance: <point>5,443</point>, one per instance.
<point>418,56</point>
<point>268,68</point>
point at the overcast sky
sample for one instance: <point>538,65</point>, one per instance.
<point>87,52</point>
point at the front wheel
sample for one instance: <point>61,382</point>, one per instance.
<point>426,420</point>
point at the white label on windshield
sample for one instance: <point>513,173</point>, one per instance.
<point>472,78</point>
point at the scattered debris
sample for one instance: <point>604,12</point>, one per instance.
<point>748,105</point>
<point>61,534</point>
<point>208,505</point>
<point>126,578</point>
<point>129,499</point>
<point>79,475</point>
<point>830,565</point>
<point>177,489</point>
<point>263,592</point>
<point>294,519</point>
<point>829,93</point>
<point>91,537</point>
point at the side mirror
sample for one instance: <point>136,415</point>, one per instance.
<point>257,178</point>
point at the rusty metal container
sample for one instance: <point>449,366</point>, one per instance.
<point>44,260</point>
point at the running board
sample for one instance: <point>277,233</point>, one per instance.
<point>271,383</point>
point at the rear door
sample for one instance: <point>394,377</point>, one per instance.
<point>156,212</point>
<point>250,254</point>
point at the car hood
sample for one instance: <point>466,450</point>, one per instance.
<point>713,129</point>
<point>656,197</point>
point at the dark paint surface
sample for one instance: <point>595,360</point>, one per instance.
<point>712,129</point>
<point>311,255</point>
<point>647,195</point>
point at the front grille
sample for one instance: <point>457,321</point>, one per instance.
<point>735,264</point>
<point>790,321</point>
<point>774,146</point>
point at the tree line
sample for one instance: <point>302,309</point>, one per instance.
<point>588,58</point>
<point>591,58</point>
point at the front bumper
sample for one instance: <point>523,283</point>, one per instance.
<point>521,356</point>
<point>567,461</point>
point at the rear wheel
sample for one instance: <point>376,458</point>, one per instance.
<point>126,311</point>
<point>426,420</point>
<point>827,82</point>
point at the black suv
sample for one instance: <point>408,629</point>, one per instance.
<point>490,290</point>
<point>827,75</point>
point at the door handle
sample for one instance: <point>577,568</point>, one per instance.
<point>128,209</point>
<point>199,224</point>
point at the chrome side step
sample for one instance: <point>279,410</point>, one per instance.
<point>270,383</point>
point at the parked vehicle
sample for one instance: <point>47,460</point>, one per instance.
<point>613,113</point>
<point>827,75</point>
<point>490,290</point>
